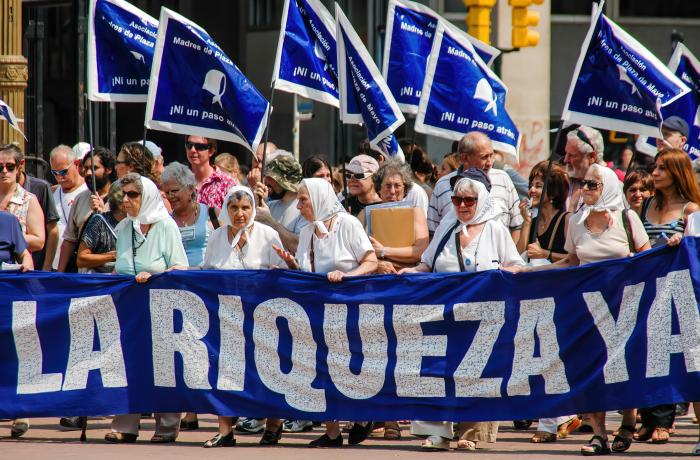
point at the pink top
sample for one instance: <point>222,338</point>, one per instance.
<point>214,189</point>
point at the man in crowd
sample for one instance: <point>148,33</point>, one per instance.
<point>66,169</point>
<point>256,163</point>
<point>675,133</point>
<point>584,146</point>
<point>212,184</point>
<point>475,151</point>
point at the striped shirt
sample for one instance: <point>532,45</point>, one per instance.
<point>655,231</point>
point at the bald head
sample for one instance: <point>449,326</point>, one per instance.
<point>257,159</point>
<point>475,151</point>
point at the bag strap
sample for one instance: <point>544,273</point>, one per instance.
<point>460,258</point>
<point>628,230</point>
<point>442,244</point>
<point>213,219</point>
<point>554,231</point>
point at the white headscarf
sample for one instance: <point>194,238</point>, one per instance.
<point>324,201</point>
<point>152,207</point>
<point>486,207</point>
<point>611,198</point>
<point>225,220</point>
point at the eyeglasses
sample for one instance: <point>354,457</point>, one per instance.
<point>121,162</point>
<point>132,194</point>
<point>468,201</point>
<point>590,184</point>
<point>357,176</point>
<point>174,191</point>
<point>60,172</point>
<point>10,167</point>
<point>582,136</point>
<point>198,146</point>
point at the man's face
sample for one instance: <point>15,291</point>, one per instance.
<point>672,139</point>
<point>198,150</point>
<point>577,162</point>
<point>274,190</point>
<point>65,171</point>
<point>481,158</point>
<point>101,174</point>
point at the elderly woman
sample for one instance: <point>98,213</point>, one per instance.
<point>240,243</point>
<point>148,242</point>
<point>336,245</point>
<point>638,186</point>
<point>98,241</point>
<point>470,240</point>
<point>600,231</point>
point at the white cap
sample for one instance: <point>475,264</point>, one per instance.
<point>81,149</point>
<point>153,148</point>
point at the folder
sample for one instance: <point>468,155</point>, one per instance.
<point>393,227</point>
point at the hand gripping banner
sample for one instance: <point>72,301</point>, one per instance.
<point>121,41</point>
<point>483,346</point>
<point>197,89</point>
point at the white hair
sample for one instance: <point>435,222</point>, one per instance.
<point>466,185</point>
<point>179,173</point>
<point>593,135</point>
<point>63,149</point>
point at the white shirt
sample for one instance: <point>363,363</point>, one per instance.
<point>491,248</point>
<point>342,249</point>
<point>287,215</point>
<point>418,197</point>
<point>64,201</point>
<point>256,254</point>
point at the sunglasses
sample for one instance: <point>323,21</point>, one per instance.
<point>59,172</point>
<point>468,201</point>
<point>590,184</point>
<point>357,176</point>
<point>10,167</point>
<point>132,194</point>
<point>198,146</point>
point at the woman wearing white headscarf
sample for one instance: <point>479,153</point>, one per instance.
<point>470,238</point>
<point>600,231</point>
<point>148,242</point>
<point>335,244</point>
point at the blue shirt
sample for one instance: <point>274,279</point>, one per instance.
<point>195,237</point>
<point>12,242</point>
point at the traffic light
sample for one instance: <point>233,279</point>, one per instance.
<point>522,20</point>
<point>479,19</point>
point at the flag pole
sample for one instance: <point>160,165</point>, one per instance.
<point>267,133</point>
<point>91,134</point>
<point>342,156</point>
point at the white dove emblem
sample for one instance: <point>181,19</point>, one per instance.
<point>626,78</point>
<point>696,121</point>
<point>318,51</point>
<point>484,92</point>
<point>138,56</point>
<point>215,84</point>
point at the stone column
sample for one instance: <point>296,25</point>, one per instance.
<point>13,67</point>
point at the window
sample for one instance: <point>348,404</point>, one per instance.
<point>660,8</point>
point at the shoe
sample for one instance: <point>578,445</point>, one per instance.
<point>392,431</point>
<point>18,429</point>
<point>221,441</point>
<point>297,426</point>
<point>522,424</point>
<point>542,437</point>
<point>643,434</point>
<point>270,438</point>
<point>434,443</point>
<point>325,441</point>
<point>72,423</point>
<point>568,427</point>
<point>682,409</point>
<point>359,432</point>
<point>251,425</point>
<point>622,443</point>
<point>596,446</point>
<point>120,438</point>
<point>186,425</point>
<point>160,439</point>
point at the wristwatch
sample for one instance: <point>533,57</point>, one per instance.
<point>382,254</point>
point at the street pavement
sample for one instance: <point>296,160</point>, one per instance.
<point>45,440</point>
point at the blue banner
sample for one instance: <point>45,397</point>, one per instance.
<point>461,94</point>
<point>686,67</point>
<point>197,89</point>
<point>484,346</point>
<point>410,28</point>
<point>364,95</point>
<point>618,84</point>
<point>306,62</point>
<point>7,114</point>
<point>121,41</point>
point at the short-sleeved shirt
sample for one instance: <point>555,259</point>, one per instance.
<point>342,249</point>
<point>64,202</point>
<point>80,212</point>
<point>355,206</point>
<point>287,215</point>
<point>611,244</point>
<point>214,189</point>
<point>256,254</point>
<point>100,237</point>
<point>418,197</point>
<point>12,242</point>
<point>159,250</point>
<point>42,190</point>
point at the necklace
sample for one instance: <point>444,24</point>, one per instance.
<point>598,232</point>
<point>184,222</point>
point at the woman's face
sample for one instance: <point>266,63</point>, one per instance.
<point>445,168</point>
<point>121,167</point>
<point>535,190</point>
<point>636,195</point>
<point>240,212</point>
<point>7,162</point>
<point>392,188</point>
<point>660,175</point>
<point>304,204</point>
<point>465,205</point>
<point>359,186</point>
<point>132,200</point>
<point>592,188</point>
<point>179,196</point>
<point>324,173</point>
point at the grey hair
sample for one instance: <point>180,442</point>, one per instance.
<point>180,174</point>
<point>466,185</point>
<point>132,178</point>
<point>66,150</point>
<point>238,196</point>
<point>390,168</point>
<point>471,142</point>
<point>593,135</point>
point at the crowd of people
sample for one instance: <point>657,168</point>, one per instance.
<point>133,214</point>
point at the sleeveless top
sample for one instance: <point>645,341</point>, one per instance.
<point>195,237</point>
<point>654,231</point>
<point>559,237</point>
<point>19,206</point>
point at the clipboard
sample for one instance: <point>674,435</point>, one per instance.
<point>391,223</point>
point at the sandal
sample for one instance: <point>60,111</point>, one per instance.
<point>465,444</point>
<point>622,443</point>
<point>543,437</point>
<point>434,443</point>
<point>270,438</point>
<point>162,439</point>
<point>221,440</point>
<point>120,438</point>
<point>568,427</point>
<point>392,434</point>
<point>596,446</point>
<point>660,436</point>
<point>644,434</point>
<point>18,429</point>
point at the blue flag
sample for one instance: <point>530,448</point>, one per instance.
<point>618,84</point>
<point>121,41</point>
<point>410,28</point>
<point>461,94</point>
<point>197,89</point>
<point>364,95</point>
<point>306,62</point>
<point>686,67</point>
<point>7,114</point>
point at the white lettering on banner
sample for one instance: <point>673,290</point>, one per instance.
<point>467,377</point>
<point>537,317</point>
<point>459,53</point>
<point>84,314</point>
<point>186,43</point>
<point>356,74</point>
<point>374,350</point>
<point>187,342</point>
<point>674,292</point>
<point>615,334</point>
<point>412,346</point>
<point>232,348</point>
<point>144,29</point>
<point>411,28</point>
<point>296,384</point>
<point>30,379</point>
